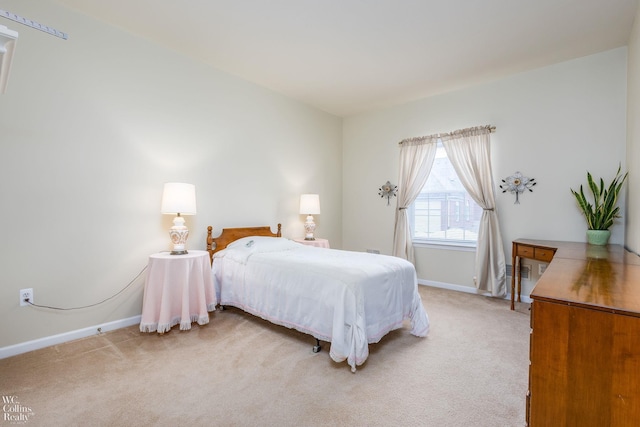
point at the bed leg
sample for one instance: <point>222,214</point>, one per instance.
<point>317,347</point>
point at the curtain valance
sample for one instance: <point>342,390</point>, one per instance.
<point>461,133</point>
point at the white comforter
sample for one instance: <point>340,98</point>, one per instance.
<point>349,299</point>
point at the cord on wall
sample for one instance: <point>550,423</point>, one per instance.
<point>90,305</point>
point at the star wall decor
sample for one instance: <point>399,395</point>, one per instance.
<point>516,184</point>
<point>388,190</point>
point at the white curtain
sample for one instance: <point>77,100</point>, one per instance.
<point>469,153</point>
<point>416,159</point>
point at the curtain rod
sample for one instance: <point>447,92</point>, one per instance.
<point>491,129</point>
<point>33,24</point>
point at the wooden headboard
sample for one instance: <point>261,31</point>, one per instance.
<point>229,235</point>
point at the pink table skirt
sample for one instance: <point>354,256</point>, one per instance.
<point>319,243</point>
<point>178,289</point>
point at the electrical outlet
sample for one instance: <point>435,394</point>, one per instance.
<point>541,269</point>
<point>26,294</point>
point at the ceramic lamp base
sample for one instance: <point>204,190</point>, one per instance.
<point>309,228</point>
<point>179,234</point>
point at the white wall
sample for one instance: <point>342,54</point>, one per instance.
<point>553,124</point>
<point>91,128</point>
<point>632,238</point>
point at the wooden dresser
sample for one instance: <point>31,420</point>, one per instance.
<point>585,338</point>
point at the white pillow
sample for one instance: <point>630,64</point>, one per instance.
<point>262,244</point>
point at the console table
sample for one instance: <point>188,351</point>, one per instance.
<point>585,338</point>
<point>531,249</point>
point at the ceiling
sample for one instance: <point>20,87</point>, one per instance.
<point>350,56</point>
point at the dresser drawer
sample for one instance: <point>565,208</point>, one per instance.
<point>526,251</point>
<point>542,254</point>
<point>534,252</point>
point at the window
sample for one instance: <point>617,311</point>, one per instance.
<point>444,213</point>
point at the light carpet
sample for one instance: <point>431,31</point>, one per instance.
<point>239,370</point>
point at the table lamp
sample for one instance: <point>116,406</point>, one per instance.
<point>309,205</point>
<point>179,199</point>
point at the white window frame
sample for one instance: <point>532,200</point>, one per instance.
<point>460,245</point>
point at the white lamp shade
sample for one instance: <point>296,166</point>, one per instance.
<point>179,198</point>
<point>309,204</point>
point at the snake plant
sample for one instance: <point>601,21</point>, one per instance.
<point>601,213</point>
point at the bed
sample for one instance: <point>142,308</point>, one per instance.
<point>348,299</point>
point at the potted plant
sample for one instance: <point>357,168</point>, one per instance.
<point>604,210</point>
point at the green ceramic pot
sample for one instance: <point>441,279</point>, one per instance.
<point>598,237</point>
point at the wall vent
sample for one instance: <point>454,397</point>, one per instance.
<point>526,271</point>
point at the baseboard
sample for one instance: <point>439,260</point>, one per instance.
<point>466,289</point>
<point>14,350</point>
